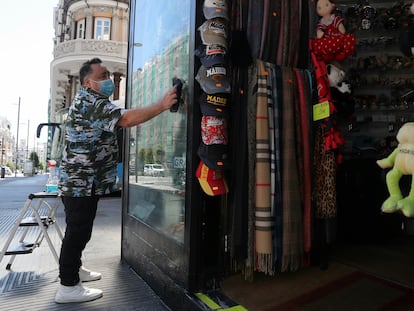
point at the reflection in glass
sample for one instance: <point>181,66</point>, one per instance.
<point>158,147</point>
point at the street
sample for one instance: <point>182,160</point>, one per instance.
<point>32,281</point>
<point>14,190</point>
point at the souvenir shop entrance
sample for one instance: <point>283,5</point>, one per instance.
<point>241,195</point>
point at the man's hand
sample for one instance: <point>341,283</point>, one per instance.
<point>133,117</point>
<point>169,99</point>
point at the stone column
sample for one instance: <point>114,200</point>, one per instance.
<point>114,25</point>
<point>89,25</point>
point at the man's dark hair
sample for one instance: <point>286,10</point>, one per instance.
<point>86,68</point>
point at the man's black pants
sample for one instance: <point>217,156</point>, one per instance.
<point>80,214</point>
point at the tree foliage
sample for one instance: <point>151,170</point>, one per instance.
<point>34,158</point>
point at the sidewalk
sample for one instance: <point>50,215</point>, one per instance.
<point>33,279</point>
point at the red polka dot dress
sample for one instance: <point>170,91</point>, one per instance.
<point>334,45</point>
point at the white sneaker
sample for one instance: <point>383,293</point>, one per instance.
<point>77,293</point>
<point>86,275</point>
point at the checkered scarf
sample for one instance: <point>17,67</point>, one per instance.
<point>282,135</point>
<point>263,205</point>
<point>291,195</point>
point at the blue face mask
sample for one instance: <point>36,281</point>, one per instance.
<point>106,87</point>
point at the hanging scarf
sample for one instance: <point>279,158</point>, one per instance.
<point>291,200</point>
<point>251,149</point>
<point>306,165</point>
<point>277,91</point>
<point>325,178</point>
<point>263,214</point>
<point>332,136</point>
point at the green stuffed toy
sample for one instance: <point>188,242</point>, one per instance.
<point>402,162</point>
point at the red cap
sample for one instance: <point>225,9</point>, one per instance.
<point>212,181</point>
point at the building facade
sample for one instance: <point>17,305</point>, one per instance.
<point>84,30</point>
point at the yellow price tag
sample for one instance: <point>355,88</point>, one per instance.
<point>321,111</point>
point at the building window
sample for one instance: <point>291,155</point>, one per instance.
<point>80,29</point>
<point>102,28</point>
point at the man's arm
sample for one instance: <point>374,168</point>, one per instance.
<point>133,117</point>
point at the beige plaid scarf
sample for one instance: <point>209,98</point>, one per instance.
<point>263,210</point>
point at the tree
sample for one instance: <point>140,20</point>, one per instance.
<point>149,156</point>
<point>34,158</point>
<point>159,154</point>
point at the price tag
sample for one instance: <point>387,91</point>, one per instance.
<point>321,111</point>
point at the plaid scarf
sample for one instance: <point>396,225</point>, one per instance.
<point>263,208</point>
<point>277,103</point>
<point>282,135</point>
<point>291,196</point>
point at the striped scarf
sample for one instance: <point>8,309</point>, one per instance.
<point>291,195</point>
<point>282,193</point>
<point>263,208</point>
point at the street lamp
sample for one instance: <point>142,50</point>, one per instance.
<point>27,140</point>
<point>2,150</point>
<point>17,140</point>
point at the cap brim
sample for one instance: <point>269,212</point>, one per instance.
<point>213,60</point>
<point>210,13</point>
<point>214,156</point>
<point>210,110</point>
<point>212,188</point>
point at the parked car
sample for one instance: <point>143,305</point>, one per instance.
<point>154,170</point>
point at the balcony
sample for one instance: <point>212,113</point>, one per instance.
<point>87,48</point>
<point>69,57</point>
<point>68,3</point>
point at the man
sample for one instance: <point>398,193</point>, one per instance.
<point>88,169</point>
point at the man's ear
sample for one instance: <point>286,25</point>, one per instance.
<point>86,82</point>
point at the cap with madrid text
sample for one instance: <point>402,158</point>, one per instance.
<point>213,80</point>
<point>215,104</point>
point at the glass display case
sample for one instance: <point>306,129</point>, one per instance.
<point>157,154</point>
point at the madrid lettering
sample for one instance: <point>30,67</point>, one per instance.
<point>216,71</point>
<point>216,100</point>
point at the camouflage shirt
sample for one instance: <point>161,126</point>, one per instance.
<point>90,154</point>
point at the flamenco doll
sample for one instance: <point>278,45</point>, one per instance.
<point>331,42</point>
<point>331,45</point>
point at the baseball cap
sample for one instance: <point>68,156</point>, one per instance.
<point>214,49</point>
<point>214,130</point>
<point>213,80</point>
<point>215,8</point>
<point>214,31</point>
<point>214,104</point>
<point>214,156</point>
<point>211,55</point>
<point>211,181</point>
